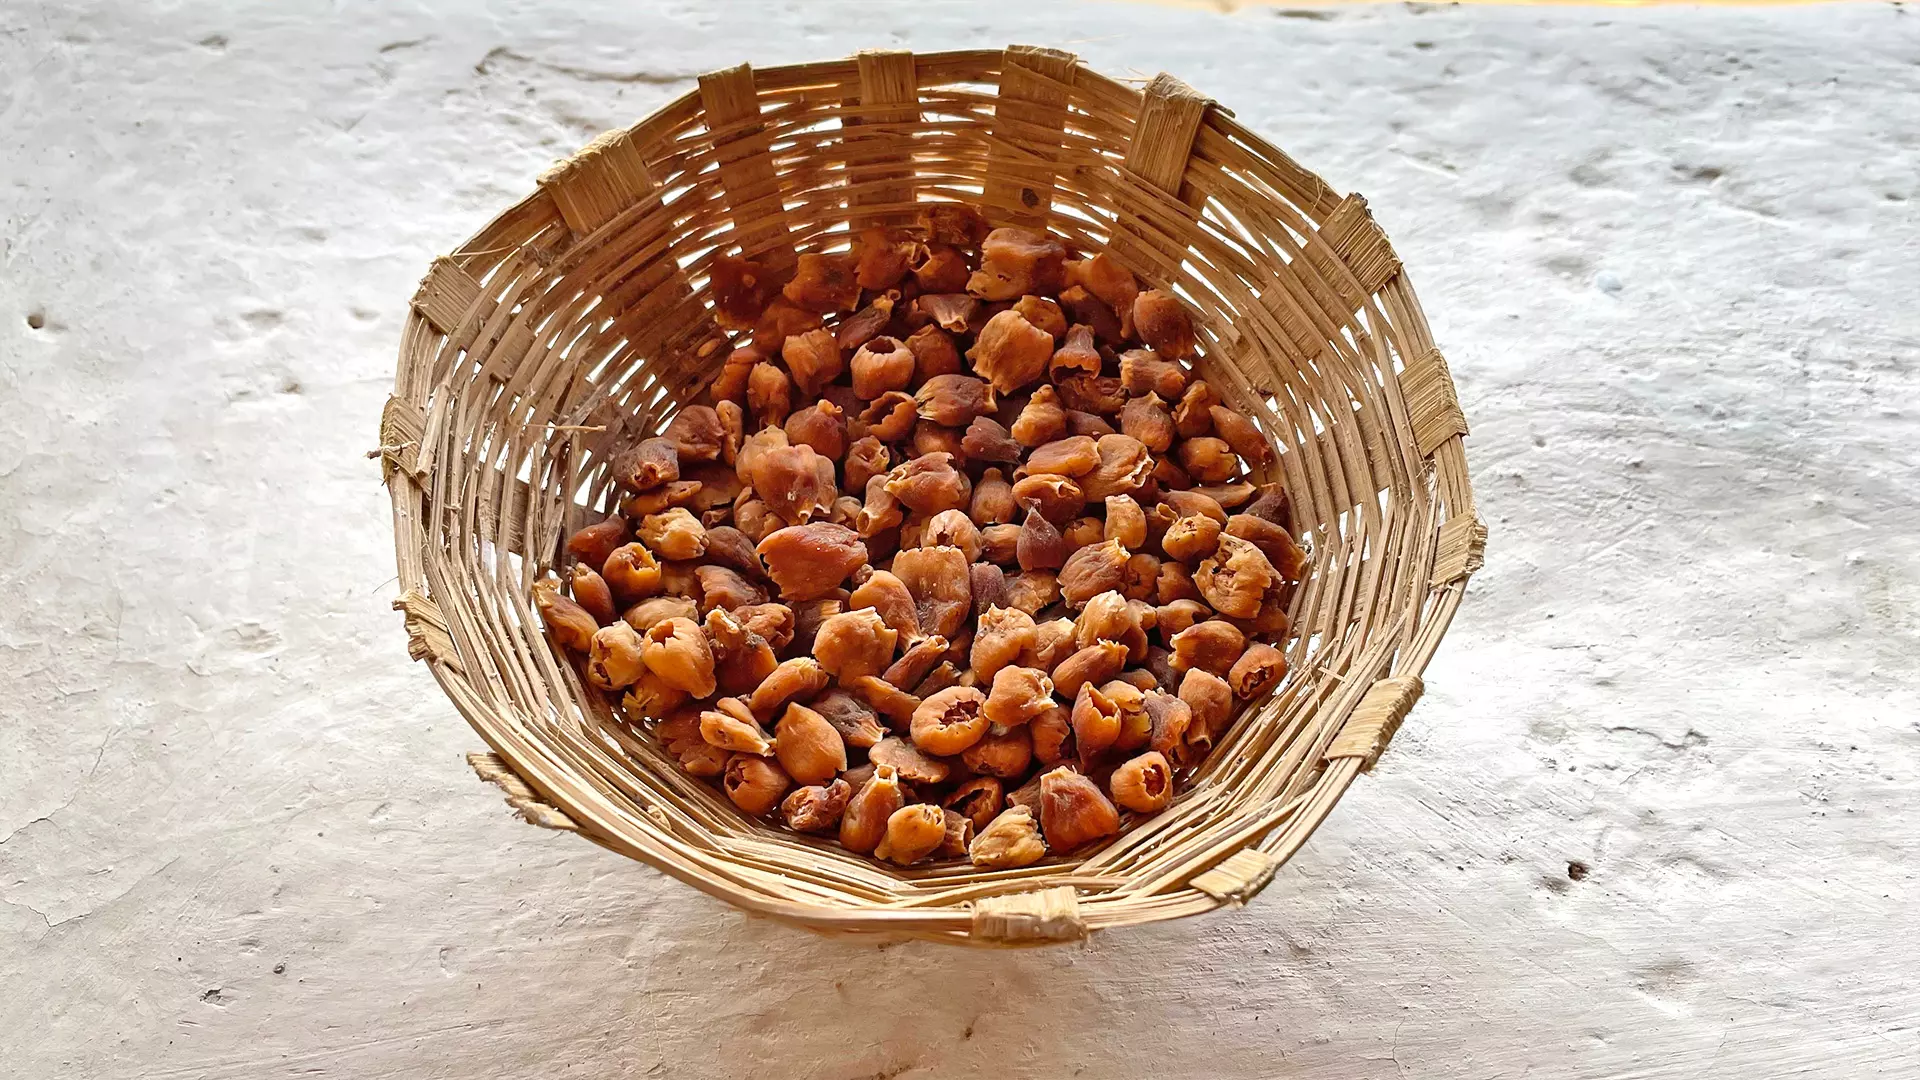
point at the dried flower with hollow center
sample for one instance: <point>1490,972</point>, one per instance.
<point>1010,841</point>
<point>949,721</point>
<point>1073,811</point>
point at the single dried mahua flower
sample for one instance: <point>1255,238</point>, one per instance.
<point>1143,784</point>
<point>913,833</point>
<point>1162,322</point>
<point>1019,694</point>
<point>1003,634</point>
<point>795,482</point>
<point>854,643</point>
<point>808,561</point>
<point>1212,646</point>
<point>1041,420</point>
<point>882,364</point>
<point>1040,545</point>
<point>952,528</point>
<point>1177,615</point>
<point>988,585</point>
<point>644,614</point>
<point>932,438</point>
<point>1141,372</point>
<point>1208,460</point>
<point>1101,395</point>
<point>1010,841</point>
<point>941,586</point>
<point>613,657</point>
<point>730,386</point>
<point>1129,700</point>
<point>1105,278</point>
<point>1074,812</point>
<point>594,543</point>
<point>722,588</point>
<point>864,823</point>
<point>1011,352</point>
<point>1075,455</point>
<point>1082,308</point>
<point>1211,700</point>
<point>920,658</point>
<point>882,257</point>
<point>651,697</point>
<point>696,434</point>
<point>773,622</point>
<point>1052,734</point>
<point>729,725</point>
<point>755,784</point>
<point>824,283</point>
<point>1194,502</point>
<point>891,416</point>
<point>852,718</point>
<point>1002,754</point>
<point>954,223</point>
<point>730,547</point>
<point>1109,617</point>
<point>769,394</point>
<point>930,484</point>
<point>646,464</point>
<point>934,353</point>
<point>1094,664</point>
<point>992,500</point>
<point>1175,583</point>
<point>1168,718</point>
<point>675,534</point>
<point>1083,530</point>
<point>887,699</point>
<point>677,651</point>
<point>1014,262</point>
<point>979,800</point>
<point>866,459</point>
<point>808,746</point>
<point>1096,722</point>
<point>954,400</point>
<point>1240,434</point>
<point>1092,570</point>
<point>741,658</point>
<point>797,679</point>
<point>1257,671</point>
<point>1147,419</point>
<point>741,289</point>
<point>817,808</point>
<point>821,427</point>
<point>941,269</point>
<point>1032,590</point>
<point>1123,469</point>
<point>1000,544</point>
<point>1057,497</point>
<point>1193,416</point>
<point>1143,576</point>
<point>590,591</point>
<point>1191,538</point>
<point>1287,558</point>
<point>1234,578</point>
<point>1272,505</point>
<point>858,329</point>
<point>912,764</point>
<point>949,721</point>
<point>953,312</point>
<point>987,440</point>
<point>1044,314</point>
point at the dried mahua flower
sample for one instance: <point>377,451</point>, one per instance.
<point>865,325</point>
<point>773,622</point>
<point>730,547</point>
<point>955,224</point>
<point>1241,434</point>
<point>941,587</point>
<point>1057,497</point>
<point>949,721</point>
<point>930,484</point>
<point>644,614</point>
<point>854,643</point>
<point>646,464</point>
<point>979,800</point>
<point>934,353</point>
<point>1096,722</point>
<point>797,679</point>
<point>1019,694</point>
<point>1234,578</point>
<point>741,658</point>
<point>881,258</point>
<point>987,440</point>
<point>1105,278</point>
<point>613,657</point>
<point>1093,570</point>
<point>1074,812</point>
<point>1194,502</point>
<point>1193,416</point>
<point>1141,372</point>
<point>731,726</point>
<point>676,650</point>
<point>1162,322</point>
<point>1123,469</point>
<point>675,534</point>
<point>730,386</point>
<point>817,808</point>
<point>932,438</point>
<point>651,697</point>
<point>959,835</point>
<point>1208,460</point>
<point>852,718</point>
<point>809,748</point>
<point>954,400</point>
<point>1191,538</point>
<point>1003,634</point>
<point>867,458</point>
<point>821,427</point>
<point>696,434</point>
<point>1258,670</point>
<point>1004,754</point>
<point>1086,423</point>
<point>1272,504</point>
<point>1011,352</point>
<point>1032,590</point>
<point>1143,784</point>
<point>992,502</point>
<point>912,764</point>
<point>1044,314</point>
<point>952,528</point>
<point>1211,646</point>
<point>952,312</point>
<point>594,543</point>
<point>1041,420</point>
<point>1076,455</point>
<point>1108,617</point>
<point>1082,308</point>
<point>1211,700</point>
<point>864,822</point>
<point>1083,530</point>
<point>769,394</point>
<point>882,364</point>
<point>1129,700</point>
<point>824,283</point>
<point>1147,419</point>
<point>1010,841</point>
<point>811,560</point>
<point>920,658</point>
<point>1094,664</point>
<point>755,784</point>
<point>1076,356</point>
<point>1014,262</point>
<point>1000,544</point>
<point>1175,583</point>
<point>913,833</point>
<point>1168,718</point>
<point>1177,615</point>
<point>1286,557</point>
<point>891,416</point>
<point>741,289</point>
<point>590,591</point>
<point>723,588</point>
<point>1143,576</point>
<point>943,270</point>
<point>1040,545</point>
<point>1101,395</point>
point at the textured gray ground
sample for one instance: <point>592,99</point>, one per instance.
<point>1672,256</point>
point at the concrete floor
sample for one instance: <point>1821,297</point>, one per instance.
<point>1653,817</point>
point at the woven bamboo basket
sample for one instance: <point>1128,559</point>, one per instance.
<point>582,311</point>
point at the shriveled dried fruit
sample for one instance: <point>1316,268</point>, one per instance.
<point>1082,308</point>
<point>1193,415</point>
<point>1235,577</point>
<point>1040,545</point>
<point>1103,277</point>
<point>613,657</point>
<point>1163,323</point>
<point>897,705</point>
<point>677,578</point>
<point>1000,544</point>
<point>808,561</point>
<point>741,658</point>
<point>1003,754</point>
<point>1096,722</point>
<point>992,502</point>
<point>1191,538</point>
<point>824,283</point>
<point>1083,530</point>
<point>820,427</point>
<point>882,364</point>
<point>1041,420</point>
<point>769,394</point>
<point>1175,583</point>
<point>868,457</point>
<point>1147,419</point>
<point>987,440</point>
<point>853,718</point>
<point>941,586</point>
<point>932,438</point>
<point>1168,718</point>
<point>644,614</point>
<point>646,464</point>
<point>866,324</point>
<point>1194,502</point>
<point>673,493</point>
<point>796,482</point>
<point>959,834</point>
<point>1093,570</point>
<point>930,484</point>
<point>1101,395</point>
<point>797,679</point>
<point>1059,499</point>
<point>723,588</point>
<point>1011,352</point>
<point>914,765</point>
<point>1052,734</point>
<point>1003,634</point>
<point>1177,615</point>
<point>979,800</point>
<point>1010,841</point>
<point>1073,811</point>
<point>1212,646</point>
<point>1241,434</point>
<point>1032,590</point>
<point>730,386</point>
<point>1123,469</point>
<point>952,528</point>
<point>913,833</point>
<point>590,591</point>
<point>949,721</point>
<point>1141,372</point>
<point>809,748</point>
<point>1094,664</point>
<point>1271,504</point>
<point>920,658</point>
<point>676,650</point>
<point>1108,617</point>
<point>651,697</point>
<point>755,784</point>
<point>1086,423</point>
<point>952,312</point>
<point>741,289</point>
<point>854,643</point>
<point>771,621</point>
<point>988,583</point>
<point>1258,670</point>
<point>1286,557</point>
<point>594,543</point>
<point>943,270</point>
<point>675,534</point>
<point>731,726</point>
<point>1072,456</point>
<point>891,416</point>
<point>1015,261</point>
<point>1211,700</point>
<point>1143,784</point>
<point>864,823</point>
<point>1143,576</point>
<point>817,808</point>
<point>1019,694</point>
<point>1208,460</point>
<point>730,547</point>
<point>569,623</point>
<point>1129,699</point>
<point>881,258</point>
<point>954,400</point>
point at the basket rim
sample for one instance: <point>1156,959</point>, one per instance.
<point>1008,909</point>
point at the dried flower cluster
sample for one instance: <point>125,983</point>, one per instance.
<point>958,560</point>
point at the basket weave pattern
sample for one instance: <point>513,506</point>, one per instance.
<point>580,315</point>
